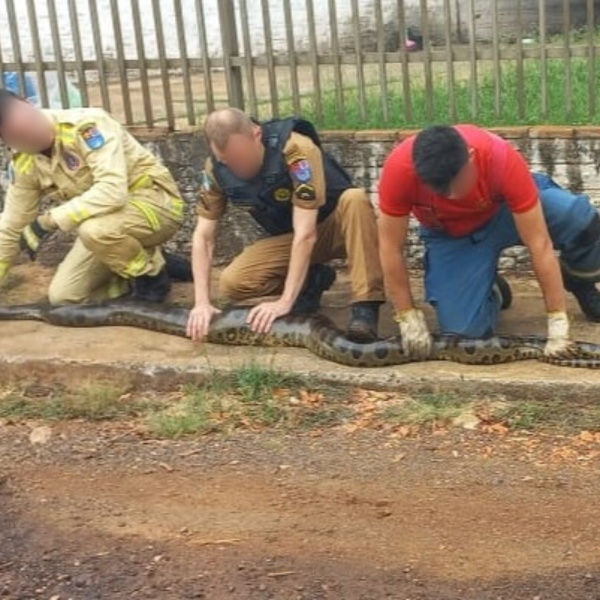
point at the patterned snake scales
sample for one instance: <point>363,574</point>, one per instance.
<point>315,333</point>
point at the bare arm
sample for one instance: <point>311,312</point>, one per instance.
<point>305,238</point>
<point>203,244</point>
<point>532,228</point>
<point>392,239</point>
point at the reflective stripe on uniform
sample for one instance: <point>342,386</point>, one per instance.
<point>137,266</point>
<point>117,287</point>
<point>77,213</point>
<point>148,212</point>
<point>23,163</point>
<point>141,183</point>
<point>65,134</point>
<point>178,206</point>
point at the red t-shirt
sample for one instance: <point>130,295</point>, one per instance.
<point>503,177</point>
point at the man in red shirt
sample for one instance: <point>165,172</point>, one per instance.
<point>474,196</point>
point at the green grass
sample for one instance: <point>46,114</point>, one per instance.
<point>92,402</point>
<point>251,397</point>
<point>510,85</point>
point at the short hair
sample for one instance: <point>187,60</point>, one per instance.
<point>221,124</point>
<point>6,97</point>
<point>439,154</point>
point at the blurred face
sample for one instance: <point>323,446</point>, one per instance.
<point>25,128</point>
<point>243,155</point>
<point>465,181</point>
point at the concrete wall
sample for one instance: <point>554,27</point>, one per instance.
<point>571,156</point>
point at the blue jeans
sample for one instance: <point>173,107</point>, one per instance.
<point>460,272</point>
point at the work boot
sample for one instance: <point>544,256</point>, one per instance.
<point>179,268</point>
<point>502,289</point>
<point>587,296</point>
<point>151,288</point>
<point>363,322</point>
<point>319,279</point>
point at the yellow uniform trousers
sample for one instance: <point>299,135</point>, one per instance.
<point>112,248</point>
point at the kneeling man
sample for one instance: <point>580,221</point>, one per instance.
<point>475,196</point>
<point>308,206</point>
<point>118,198</point>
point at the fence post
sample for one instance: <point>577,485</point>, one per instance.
<point>230,47</point>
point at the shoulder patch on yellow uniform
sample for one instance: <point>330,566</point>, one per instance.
<point>92,136</point>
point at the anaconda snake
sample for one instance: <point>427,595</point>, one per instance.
<point>315,333</point>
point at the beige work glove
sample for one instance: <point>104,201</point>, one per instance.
<point>416,341</point>
<point>558,344</point>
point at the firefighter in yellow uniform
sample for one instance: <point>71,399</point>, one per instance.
<point>117,196</point>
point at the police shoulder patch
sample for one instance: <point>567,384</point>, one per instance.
<point>306,191</point>
<point>92,136</point>
<point>301,171</point>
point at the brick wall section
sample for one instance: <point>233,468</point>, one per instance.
<point>570,155</point>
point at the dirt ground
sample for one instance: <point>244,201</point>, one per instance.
<point>104,512</point>
<point>107,511</point>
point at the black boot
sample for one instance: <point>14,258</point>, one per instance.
<point>587,296</point>
<point>363,322</point>
<point>179,268</point>
<point>151,288</point>
<point>319,279</point>
<point>504,292</point>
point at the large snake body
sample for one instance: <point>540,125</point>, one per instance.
<point>315,333</point>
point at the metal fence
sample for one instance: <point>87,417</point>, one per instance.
<point>168,62</point>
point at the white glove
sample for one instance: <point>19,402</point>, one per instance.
<point>416,341</point>
<point>559,342</point>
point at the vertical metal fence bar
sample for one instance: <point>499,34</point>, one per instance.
<point>2,73</point>
<point>496,59</point>
<point>162,59</point>
<point>78,51</point>
<point>382,66</point>
<point>543,58</point>
<point>406,93</point>
<point>120,54</point>
<point>16,46</point>
<point>141,57</point>
<point>450,62</point>
<point>567,60</point>
<point>521,92</point>
<point>185,65</point>
<point>39,57</point>
<point>291,48</point>
<point>360,68</point>
<point>56,45</point>
<point>272,73</point>
<point>233,75</point>
<point>250,84</point>
<point>97,35</point>
<point>314,59</point>
<point>206,70</point>
<point>427,59</point>
<point>591,59</point>
<point>473,61</point>
<point>337,67</point>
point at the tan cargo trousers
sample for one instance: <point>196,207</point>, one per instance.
<point>113,248</point>
<point>349,232</point>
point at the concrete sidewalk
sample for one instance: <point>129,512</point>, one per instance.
<point>35,349</point>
